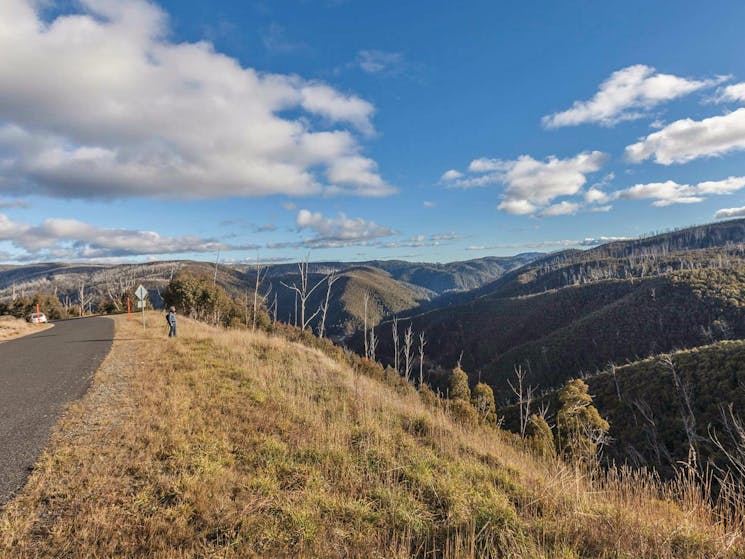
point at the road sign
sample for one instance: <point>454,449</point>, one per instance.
<point>141,292</point>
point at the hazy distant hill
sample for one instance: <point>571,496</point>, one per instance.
<point>387,296</point>
<point>394,286</point>
<point>435,277</point>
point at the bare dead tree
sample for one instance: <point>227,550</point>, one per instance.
<point>408,355</point>
<point>365,299</point>
<point>83,299</point>
<point>684,401</point>
<point>422,343</point>
<point>649,428</point>
<point>295,308</point>
<point>303,292</point>
<point>373,343</point>
<point>612,367</point>
<point>735,450</point>
<point>394,333</point>
<point>275,308</point>
<point>524,397</point>
<point>330,280</point>
<point>259,298</point>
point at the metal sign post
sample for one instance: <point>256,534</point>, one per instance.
<point>141,293</point>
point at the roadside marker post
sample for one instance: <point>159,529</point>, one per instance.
<point>141,293</point>
<point>38,315</point>
<point>129,308</point>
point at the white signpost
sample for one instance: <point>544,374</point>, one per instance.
<point>141,293</point>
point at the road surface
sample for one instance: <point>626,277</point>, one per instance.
<point>39,375</point>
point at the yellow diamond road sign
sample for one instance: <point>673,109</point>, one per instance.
<point>141,292</point>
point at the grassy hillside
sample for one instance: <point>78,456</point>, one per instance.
<point>229,444</point>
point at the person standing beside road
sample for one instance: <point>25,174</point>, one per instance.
<point>171,318</point>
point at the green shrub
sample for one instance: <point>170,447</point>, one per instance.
<point>540,436</point>
<point>580,427</point>
<point>482,400</point>
<point>458,389</point>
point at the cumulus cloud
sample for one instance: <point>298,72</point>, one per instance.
<point>102,104</point>
<point>728,213</point>
<point>532,185</point>
<point>562,208</point>
<point>687,139</point>
<point>670,192</point>
<point>328,232</point>
<point>734,92</point>
<point>627,94</point>
<point>69,239</point>
<point>451,175</point>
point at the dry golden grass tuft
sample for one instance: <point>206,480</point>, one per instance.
<point>236,444</point>
<point>11,328</point>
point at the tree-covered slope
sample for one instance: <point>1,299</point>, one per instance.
<point>579,329</point>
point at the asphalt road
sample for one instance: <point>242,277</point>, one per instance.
<point>39,375</point>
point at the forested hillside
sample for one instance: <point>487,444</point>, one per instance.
<point>573,312</point>
<point>579,329</point>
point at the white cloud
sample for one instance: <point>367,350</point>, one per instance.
<point>486,165</point>
<point>670,192</point>
<point>627,94</point>
<point>72,239</point>
<point>429,204</point>
<point>102,104</point>
<point>687,139</point>
<point>532,185</point>
<point>334,232</point>
<point>323,100</point>
<point>380,62</point>
<point>596,196</point>
<point>451,175</point>
<point>562,208</point>
<point>734,92</point>
<point>529,182</point>
<point>727,213</point>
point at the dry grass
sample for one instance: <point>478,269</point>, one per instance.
<point>11,328</point>
<point>233,444</point>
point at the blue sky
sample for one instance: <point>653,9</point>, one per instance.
<point>358,130</point>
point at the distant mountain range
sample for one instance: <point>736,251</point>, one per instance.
<point>394,286</point>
